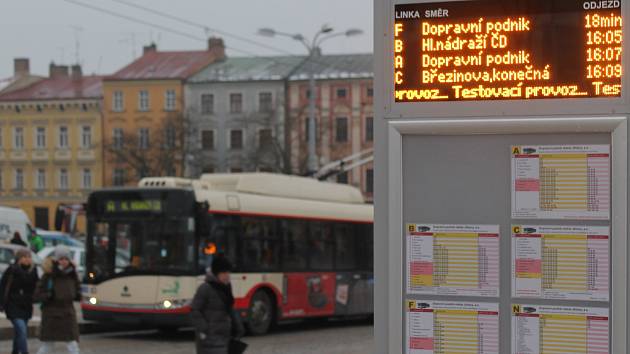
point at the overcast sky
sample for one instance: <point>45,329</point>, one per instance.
<point>47,30</point>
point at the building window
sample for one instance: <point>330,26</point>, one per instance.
<point>342,177</point>
<point>1,181</point>
<point>236,139</point>
<point>207,169</point>
<point>40,138</point>
<point>265,138</point>
<point>19,179</point>
<point>143,100</point>
<point>86,137</point>
<point>369,129</point>
<point>118,103</point>
<point>342,93</point>
<point>170,137</point>
<point>265,102</point>
<point>207,104</point>
<point>143,138</point>
<point>207,139</point>
<point>63,138</point>
<point>370,92</point>
<point>117,138</point>
<point>18,138</point>
<point>118,177</point>
<point>341,129</point>
<point>1,139</point>
<point>87,179</point>
<point>41,179</point>
<point>369,180</point>
<point>236,170</point>
<point>170,100</point>
<point>63,179</point>
<point>307,129</point>
<point>236,103</point>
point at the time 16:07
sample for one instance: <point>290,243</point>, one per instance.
<point>606,54</point>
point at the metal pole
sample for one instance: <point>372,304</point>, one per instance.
<point>312,162</point>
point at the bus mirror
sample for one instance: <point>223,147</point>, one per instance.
<point>203,223</point>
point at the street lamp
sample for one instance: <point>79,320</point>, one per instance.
<point>313,48</point>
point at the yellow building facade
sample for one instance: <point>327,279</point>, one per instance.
<point>137,102</point>
<point>51,144</point>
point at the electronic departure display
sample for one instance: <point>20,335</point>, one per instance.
<point>507,50</point>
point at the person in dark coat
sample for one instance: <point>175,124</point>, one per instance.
<point>58,288</point>
<point>213,314</point>
<point>16,297</point>
<point>17,240</point>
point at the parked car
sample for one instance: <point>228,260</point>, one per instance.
<point>56,238</point>
<point>12,220</point>
<point>7,257</point>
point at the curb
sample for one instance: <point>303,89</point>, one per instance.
<point>6,333</point>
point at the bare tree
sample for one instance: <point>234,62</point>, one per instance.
<point>159,151</point>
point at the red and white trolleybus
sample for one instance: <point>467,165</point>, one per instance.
<point>301,248</point>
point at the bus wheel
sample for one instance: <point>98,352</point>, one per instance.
<point>260,315</point>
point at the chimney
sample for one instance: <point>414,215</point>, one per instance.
<point>151,48</point>
<point>58,71</point>
<point>21,67</point>
<point>217,47</point>
<point>77,73</point>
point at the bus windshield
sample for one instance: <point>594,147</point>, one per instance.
<point>125,241</point>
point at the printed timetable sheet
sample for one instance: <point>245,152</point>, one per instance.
<point>561,182</point>
<point>448,327</point>
<point>561,262</point>
<point>555,329</point>
<point>458,260</point>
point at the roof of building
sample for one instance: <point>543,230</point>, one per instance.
<point>17,82</point>
<point>165,65</point>
<point>337,66</point>
<point>248,69</point>
<point>58,89</point>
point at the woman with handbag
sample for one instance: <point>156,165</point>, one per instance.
<point>16,297</point>
<point>217,326</point>
<point>57,290</point>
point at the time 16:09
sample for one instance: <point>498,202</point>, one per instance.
<point>603,54</point>
<point>610,71</point>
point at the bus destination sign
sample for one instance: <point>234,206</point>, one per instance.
<point>507,50</point>
<point>133,206</point>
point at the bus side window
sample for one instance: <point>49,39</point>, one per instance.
<point>346,246</point>
<point>321,246</point>
<point>295,245</point>
<point>261,245</point>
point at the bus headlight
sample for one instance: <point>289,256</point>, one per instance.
<point>93,301</point>
<point>167,304</point>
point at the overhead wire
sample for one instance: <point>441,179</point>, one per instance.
<point>191,36</point>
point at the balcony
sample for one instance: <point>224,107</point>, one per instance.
<point>39,155</point>
<point>18,156</point>
<point>63,155</point>
<point>86,155</point>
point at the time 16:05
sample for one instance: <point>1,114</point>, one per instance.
<point>603,54</point>
<point>610,71</point>
<point>604,37</point>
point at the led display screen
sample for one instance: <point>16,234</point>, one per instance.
<point>507,50</point>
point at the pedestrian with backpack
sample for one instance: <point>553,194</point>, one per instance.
<point>16,297</point>
<point>57,290</point>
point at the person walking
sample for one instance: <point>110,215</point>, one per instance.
<point>16,297</point>
<point>37,242</point>
<point>17,240</point>
<point>216,324</point>
<point>58,288</point>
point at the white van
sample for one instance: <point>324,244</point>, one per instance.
<point>12,220</point>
